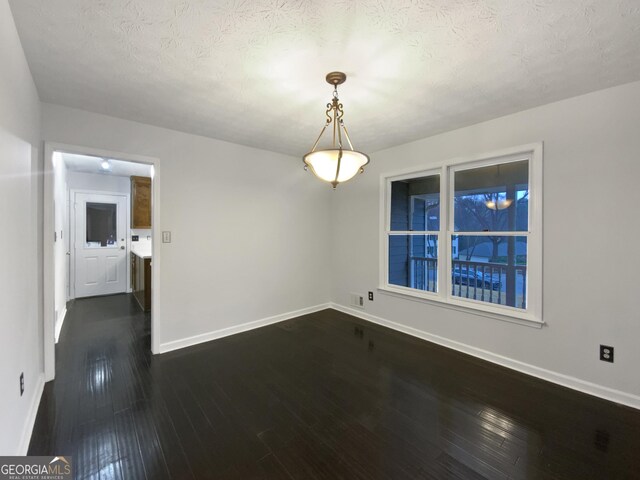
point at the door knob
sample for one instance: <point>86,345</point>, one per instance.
<point>68,253</point>
<point>122,247</point>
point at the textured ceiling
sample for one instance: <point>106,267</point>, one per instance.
<point>252,71</point>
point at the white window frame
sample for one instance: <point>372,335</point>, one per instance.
<point>389,232</point>
<point>532,315</point>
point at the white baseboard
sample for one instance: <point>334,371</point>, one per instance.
<point>224,332</point>
<point>23,446</point>
<point>59,322</point>
<point>574,383</point>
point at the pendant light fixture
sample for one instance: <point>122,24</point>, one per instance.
<point>335,165</point>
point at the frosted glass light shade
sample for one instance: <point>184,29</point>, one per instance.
<point>324,164</point>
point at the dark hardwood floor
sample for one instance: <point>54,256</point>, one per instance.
<point>321,396</point>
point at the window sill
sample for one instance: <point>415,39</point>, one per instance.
<point>497,313</point>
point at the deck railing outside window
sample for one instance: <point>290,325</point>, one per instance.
<point>487,282</point>
<point>423,273</point>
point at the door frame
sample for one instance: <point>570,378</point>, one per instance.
<point>72,231</point>
<point>48,245</point>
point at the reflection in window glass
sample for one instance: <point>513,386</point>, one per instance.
<point>413,261</point>
<point>491,269</point>
<point>493,198</point>
<point>101,224</point>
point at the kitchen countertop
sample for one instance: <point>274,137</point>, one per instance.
<point>142,251</point>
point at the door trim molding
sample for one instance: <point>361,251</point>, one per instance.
<point>48,244</point>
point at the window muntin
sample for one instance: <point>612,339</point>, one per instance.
<point>519,177</point>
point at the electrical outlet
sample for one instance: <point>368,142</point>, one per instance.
<point>371,296</point>
<point>21,383</point>
<point>606,353</point>
<point>166,237</point>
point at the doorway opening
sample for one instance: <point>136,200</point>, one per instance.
<point>103,210</point>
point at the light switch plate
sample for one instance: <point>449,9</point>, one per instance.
<point>166,237</point>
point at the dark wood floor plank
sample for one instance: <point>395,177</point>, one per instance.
<point>320,396</point>
<point>85,454</point>
<point>109,461</point>
<point>200,460</point>
<point>131,463</point>
<point>173,451</point>
<point>364,448</point>
<point>273,469</point>
<point>155,465</point>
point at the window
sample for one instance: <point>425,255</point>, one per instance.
<point>101,224</point>
<point>415,230</point>
<point>490,221</point>
<point>468,234</point>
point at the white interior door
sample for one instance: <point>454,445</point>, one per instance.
<point>100,252</point>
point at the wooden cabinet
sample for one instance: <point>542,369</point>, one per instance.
<point>140,202</point>
<point>141,281</point>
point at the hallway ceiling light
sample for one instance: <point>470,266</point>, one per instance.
<point>335,165</point>
<point>105,164</point>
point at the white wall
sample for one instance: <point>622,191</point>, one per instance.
<point>250,229</point>
<point>591,231</point>
<point>20,243</point>
<point>144,237</point>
